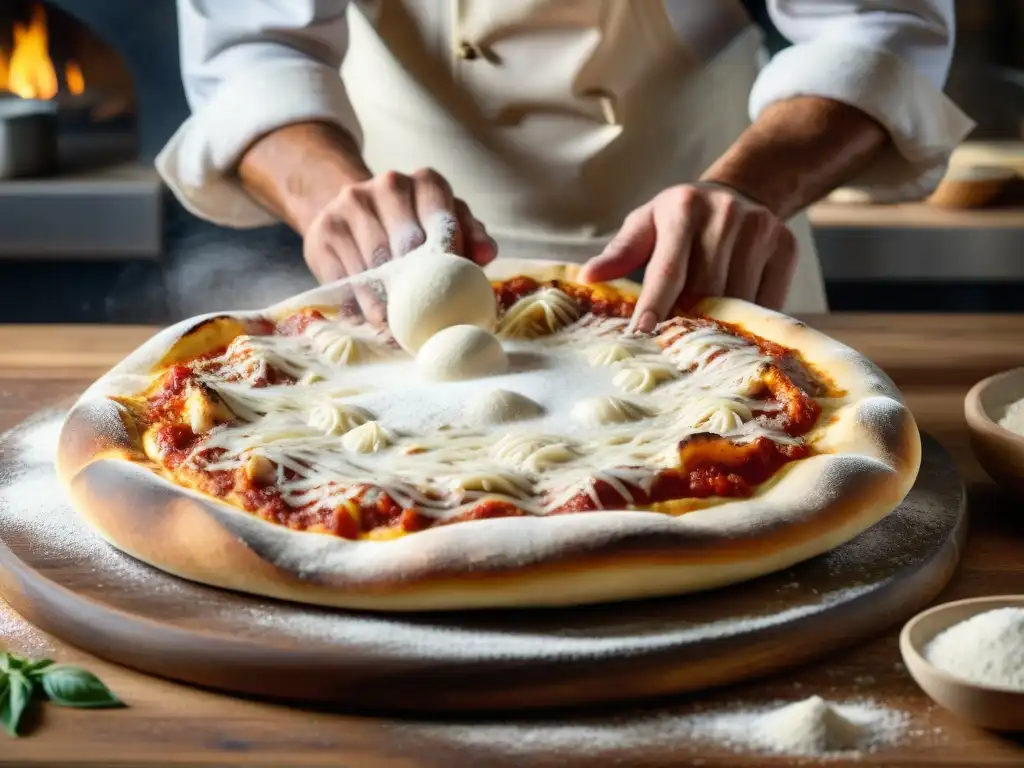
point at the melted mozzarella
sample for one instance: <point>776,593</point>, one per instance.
<point>427,444</point>
<point>539,314</point>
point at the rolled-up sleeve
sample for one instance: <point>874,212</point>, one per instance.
<point>248,68</point>
<point>887,58</point>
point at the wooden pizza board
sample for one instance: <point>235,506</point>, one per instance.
<point>60,576</point>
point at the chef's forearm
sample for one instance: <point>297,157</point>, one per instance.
<point>297,169</point>
<point>798,151</point>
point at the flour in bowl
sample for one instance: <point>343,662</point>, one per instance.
<point>987,649</point>
<point>1013,419</point>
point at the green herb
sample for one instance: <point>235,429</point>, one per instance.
<point>76,687</point>
<point>16,696</point>
<point>63,684</point>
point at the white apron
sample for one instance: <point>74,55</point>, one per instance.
<point>554,119</point>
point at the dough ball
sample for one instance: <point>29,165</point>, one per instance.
<point>433,291</point>
<point>500,406</point>
<point>461,352</point>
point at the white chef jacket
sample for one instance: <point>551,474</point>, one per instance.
<point>554,118</point>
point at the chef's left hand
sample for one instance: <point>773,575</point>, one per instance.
<point>699,239</point>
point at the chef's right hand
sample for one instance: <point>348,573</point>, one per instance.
<point>383,218</point>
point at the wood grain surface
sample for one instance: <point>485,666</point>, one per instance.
<point>934,359</point>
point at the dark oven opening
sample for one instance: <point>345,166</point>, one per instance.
<point>52,62</point>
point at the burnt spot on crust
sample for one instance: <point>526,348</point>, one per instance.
<point>206,336</point>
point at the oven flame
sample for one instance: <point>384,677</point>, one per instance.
<point>27,70</point>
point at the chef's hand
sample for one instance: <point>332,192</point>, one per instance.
<point>699,239</point>
<point>373,221</point>
<point>384,217</point>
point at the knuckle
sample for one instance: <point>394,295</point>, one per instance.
<point>685,195</point>
<point>351,198</point>
<point>334,222</point>
<point>380,256</point>
<point>668,271</point>
<point>393,181</point>
<point>430,176</point>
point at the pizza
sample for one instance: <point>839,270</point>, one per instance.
<point>504,439</point>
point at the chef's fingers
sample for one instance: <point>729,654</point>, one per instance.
<point>778,271</point>
<point>357,209</point>
<point>327,267</point>
<point>480,247</point>
<point>715,248</point>
<point>435,209</point>
<point>371,241</point>
<point>628,250</point>
<point>754,244</point>
<point>396,210</point>
<point>667,271</point>
<point>341,242</point>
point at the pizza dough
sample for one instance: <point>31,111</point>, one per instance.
<point>461,352</point>
<point>867,453</point>
<point>501,406</point>
<point>432,291</point>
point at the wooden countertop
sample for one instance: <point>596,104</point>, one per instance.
<point>914,216</point>
<point>934,359</point>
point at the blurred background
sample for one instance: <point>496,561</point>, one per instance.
<point>89,234</point>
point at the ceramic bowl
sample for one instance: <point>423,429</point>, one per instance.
<point>999,451</point>
<point>1000,709</point>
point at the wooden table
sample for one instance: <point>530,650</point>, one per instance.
<point>934,359</point>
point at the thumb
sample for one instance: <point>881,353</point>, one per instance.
<point>628,250</point>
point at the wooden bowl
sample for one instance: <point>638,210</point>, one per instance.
<point>1000,709</point>
<point>998,450</point>
<point>972,186</point>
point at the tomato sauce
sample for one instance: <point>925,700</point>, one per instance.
<point>709,465</point>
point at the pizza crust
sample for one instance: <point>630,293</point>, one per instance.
<point>810,507</point>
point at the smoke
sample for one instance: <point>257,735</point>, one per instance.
<point>212,269</point>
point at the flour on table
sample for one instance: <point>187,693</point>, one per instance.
<point>20,637</point>
<point>987,649</point>
<point>809,728</point>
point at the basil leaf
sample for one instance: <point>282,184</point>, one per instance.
<point>76,687</point>
<point>15,701</point>
<point>35,668</point>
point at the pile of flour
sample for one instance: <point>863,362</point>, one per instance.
<point>987,649</point>
<point>812,727</point>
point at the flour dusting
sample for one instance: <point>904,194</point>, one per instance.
<point>20,637</point>
<point>33,506</point>
<point>809,728</point>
